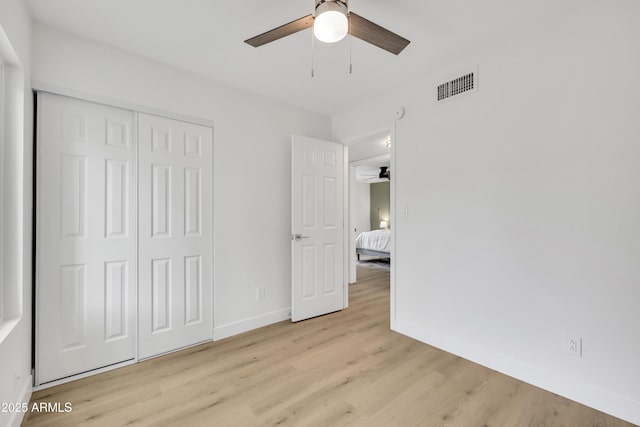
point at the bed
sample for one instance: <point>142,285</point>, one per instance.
<point>374,243</point>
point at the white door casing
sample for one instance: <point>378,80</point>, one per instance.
<point>317,227</point>
<point>175,234</point>
<point>86,237</point>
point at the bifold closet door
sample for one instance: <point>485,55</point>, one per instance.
<point>86,237</point>
<point>175,234</point>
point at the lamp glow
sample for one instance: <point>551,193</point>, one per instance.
<point>331,23</point>
<point>383,224</point>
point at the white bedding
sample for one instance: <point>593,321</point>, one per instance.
<point>377,240</point>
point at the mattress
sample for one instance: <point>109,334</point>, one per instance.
<point>377,240</point>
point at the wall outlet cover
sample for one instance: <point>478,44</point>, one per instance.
<point>573,346</point>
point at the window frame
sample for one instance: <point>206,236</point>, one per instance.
<point>12,143</point>
<point>2,139</point>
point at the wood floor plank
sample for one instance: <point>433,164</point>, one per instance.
<point>344,369</point>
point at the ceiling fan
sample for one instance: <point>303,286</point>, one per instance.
<point>332,22</point>
<point>384,173</point>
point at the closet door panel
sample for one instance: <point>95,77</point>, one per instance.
<point>86,244</point>
<point>175,234</point>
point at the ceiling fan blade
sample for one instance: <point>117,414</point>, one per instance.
<point>376,35</point>
<point>282,31</point>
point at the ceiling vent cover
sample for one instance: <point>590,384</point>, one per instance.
<point>457,86</point>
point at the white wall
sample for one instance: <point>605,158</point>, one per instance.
<point>363,207</point>
<point>15,335</point>
<point>251,163</point>
<point>524,206</point>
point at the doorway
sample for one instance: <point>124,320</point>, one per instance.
<point>370,172</point>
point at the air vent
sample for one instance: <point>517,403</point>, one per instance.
<point>456,86</point>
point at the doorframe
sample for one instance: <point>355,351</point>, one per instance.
<point>38,86</point>
<point>350,258</point>
<point>346,222</point>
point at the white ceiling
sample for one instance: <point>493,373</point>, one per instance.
<point>372,148</point>
<point>206,37</point>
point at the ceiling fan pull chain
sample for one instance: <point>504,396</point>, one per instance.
<point>350,54</point>
<point>312,54</point>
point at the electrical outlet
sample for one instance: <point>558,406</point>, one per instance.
<point>573,346</point>
<point>260,294</point>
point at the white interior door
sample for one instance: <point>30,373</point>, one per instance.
<point>317,227</point>
<point>175,234</point>
<point>86,237</point>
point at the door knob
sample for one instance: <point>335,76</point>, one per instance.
<point>299,237</point>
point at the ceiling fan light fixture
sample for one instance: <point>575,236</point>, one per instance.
<point>331,23</point>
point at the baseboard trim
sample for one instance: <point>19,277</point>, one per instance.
<point>602,400</point>
<point>25,397</point>
<point>251,323</point>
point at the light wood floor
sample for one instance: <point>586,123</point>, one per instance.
<point>346,368</point>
